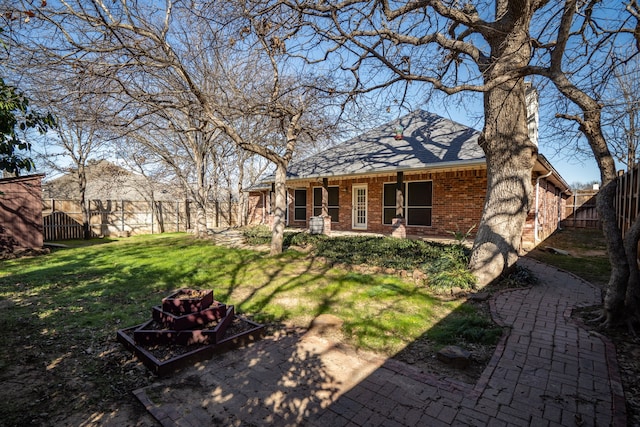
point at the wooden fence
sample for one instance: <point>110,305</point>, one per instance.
<point>627,198</point>
<point>580,210</point>
<point>62,219</point>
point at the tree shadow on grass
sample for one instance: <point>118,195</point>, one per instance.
<point>285,379</point>
<point>60,314</point>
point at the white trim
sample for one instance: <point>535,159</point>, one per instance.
<point>458,165</point>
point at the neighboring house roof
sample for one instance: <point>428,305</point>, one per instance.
<point>429,141</point>
<point>107,181</point>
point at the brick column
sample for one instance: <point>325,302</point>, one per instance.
<point>325,197</point>
<point>398,228</point>
<point>326,230</point>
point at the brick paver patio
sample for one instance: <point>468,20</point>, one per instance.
<point>547,371</point>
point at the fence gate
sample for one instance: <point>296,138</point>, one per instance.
<point>581,210</point>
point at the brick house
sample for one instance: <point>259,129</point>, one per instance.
<point>419,176</point>
<point>21,213</point>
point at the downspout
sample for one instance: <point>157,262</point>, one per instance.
<point>264,207</point>
<point>535,221</point>
<point>559,205</point>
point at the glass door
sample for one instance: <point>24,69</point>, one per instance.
<point>360,207</point>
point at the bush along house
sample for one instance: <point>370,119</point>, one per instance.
<point>421,176</point>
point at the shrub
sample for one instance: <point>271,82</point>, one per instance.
<point>385,252</point>
<point>465,327</point>
<point>261,235</point>
<point>302,238</point>
<point>450,270</point>
<point>445,265</point>
<point>257,235</point>
<point>518,277</point>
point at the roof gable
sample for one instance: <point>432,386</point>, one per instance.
<point>428,141</point>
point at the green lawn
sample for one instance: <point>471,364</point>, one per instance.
<point>587,253</point>
<point>100,288</point>
<point>59,313</point>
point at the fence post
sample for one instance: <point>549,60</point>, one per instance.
<point>636,184</point>
<point>575,208</point>
<point>617,202</point>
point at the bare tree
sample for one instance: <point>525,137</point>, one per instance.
<point>78,138</point>
<point>622,114</point>
<point>182,143</point>
<point>589,46</point>
<point>454,48</point>
<point>213,59</point>
<point>286,108</point>
<point>489,47</point>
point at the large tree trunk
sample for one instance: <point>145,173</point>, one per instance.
<point>632,296</point>
<point>510,158</point>
<point>617,286</point>
<point>591,127</point>
<point>84,203</point>
<point>241,208</point>
<point>277,232</point>
<point>509,152</point>
<point>201,208</point>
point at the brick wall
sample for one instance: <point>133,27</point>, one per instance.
<point>458,197</point>
<point>256,207</point>
<point>551,208</point>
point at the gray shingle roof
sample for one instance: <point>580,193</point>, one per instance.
<point>429,141</point>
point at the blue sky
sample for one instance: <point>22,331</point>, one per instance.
<point>574,168</point>
<point>573,171</point>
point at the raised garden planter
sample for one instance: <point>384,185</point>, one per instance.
<point>187,321</point>
<point>186,301</point>
<point>163,360</point>
<point>188,327</point>
<point>152,333</point>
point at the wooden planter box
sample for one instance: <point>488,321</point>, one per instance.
<point>188,327</point>
<point>151,335</point>
<point>215,312</point>
<point>182,302</point>
<point>251,332</point>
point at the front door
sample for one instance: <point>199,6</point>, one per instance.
<point>360,207</point>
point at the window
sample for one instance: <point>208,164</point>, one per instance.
<point>389,203</point>
<point>417,202</point>
<point>300,205</point>
<point>333,203</point>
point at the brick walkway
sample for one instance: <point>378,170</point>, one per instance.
<point>546,371</point>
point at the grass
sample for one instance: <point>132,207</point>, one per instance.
<point>59,312</point>
<point>100,288</point>
<point>587,254</point>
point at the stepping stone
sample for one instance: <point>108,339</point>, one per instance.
<point>454,356</point>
